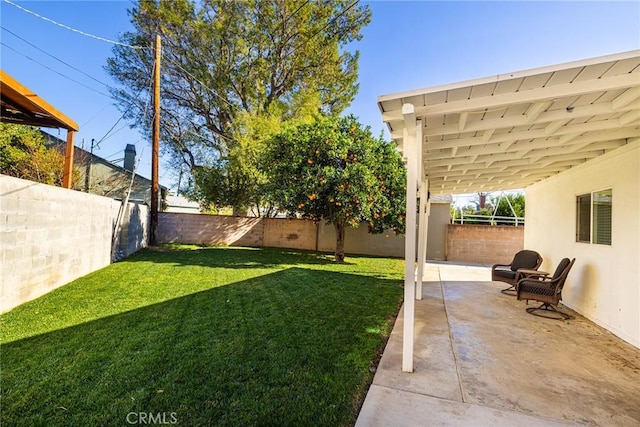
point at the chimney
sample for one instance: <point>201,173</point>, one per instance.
<point>129,157</point>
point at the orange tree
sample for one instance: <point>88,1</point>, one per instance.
<point>335,170</point>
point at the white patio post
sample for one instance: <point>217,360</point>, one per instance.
<point>423,233</point>
<point>410,149</point>
<point>422,189</point>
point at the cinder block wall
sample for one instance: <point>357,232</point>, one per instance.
<point>271,232</point>
<point>209,229</point>
<point>483,244</point>
<point>359,241</point>
<point>290,233</point>
<point>50,236</point>
<point>464,243</point>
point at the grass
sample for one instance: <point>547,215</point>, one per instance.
<point>202,336</point>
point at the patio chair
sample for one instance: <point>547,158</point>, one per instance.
<point>547,290</point>
<point>508,273</point>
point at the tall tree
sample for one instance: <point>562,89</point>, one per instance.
<point>335,170</point>
<point>223,59</point>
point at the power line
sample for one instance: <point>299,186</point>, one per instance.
<point>197,80</point>
<point>331,21</point>
<point>106,135</point>
<point>51,69</point>
<point>95,115</point>
<point>71,28</point>
<point>297,10</point>
<point>54,57</point>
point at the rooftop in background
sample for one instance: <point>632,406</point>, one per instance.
<point>107,178</point>
<point>512,130</point>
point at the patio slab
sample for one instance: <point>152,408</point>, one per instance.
<point>480,359</point>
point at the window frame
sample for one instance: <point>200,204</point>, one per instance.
<point>583,228</point>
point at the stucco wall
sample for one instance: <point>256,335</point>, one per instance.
<point>439,218</point>
<point>604,284</point>
<point>50,236</point>
<point>484,244</point>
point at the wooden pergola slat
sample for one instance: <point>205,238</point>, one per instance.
<point>21,105</point>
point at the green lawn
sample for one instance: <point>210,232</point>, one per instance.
<point>201,336</point>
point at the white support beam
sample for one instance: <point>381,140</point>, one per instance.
<point>552,127</point>
<point>486,136</point>
<point>602,84</point>
<point>630,117</point>
<point>568,137</point>
<point>423,186</point>
<point>625,98</point>
<point>578,112</point>
<point>420,152</point>
<point>463,120</point>
<point>611,124</point>
<point>423,226</point>
<point>409,116</point>
<point>411,147</point>
<point>535,109</point>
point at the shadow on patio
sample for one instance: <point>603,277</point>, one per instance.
<point>480,359</point>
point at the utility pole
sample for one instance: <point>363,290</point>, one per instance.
<point>155,143</point>
<point>87,169</point>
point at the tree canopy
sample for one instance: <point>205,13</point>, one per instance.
<point>23,154</point>
<point>226,63</point>
<point>335,170</point>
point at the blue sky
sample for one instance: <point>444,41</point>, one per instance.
<point>408,45</point>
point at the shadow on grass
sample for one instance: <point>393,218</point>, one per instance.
<point>293,347</point>
<point>231,257</point>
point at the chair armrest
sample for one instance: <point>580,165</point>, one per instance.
<point>528,272</point>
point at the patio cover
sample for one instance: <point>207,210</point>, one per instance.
<point>506,132</point>
<point>22,106</point>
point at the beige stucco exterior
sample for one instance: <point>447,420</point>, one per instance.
<point>604,284</point>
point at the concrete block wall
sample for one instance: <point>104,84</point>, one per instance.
<point>271,232</point>
<point>483,244</point>
<point>50,236</point>
<point>359,241</point>
<point>209,229</point>
<point>134,229</point>
<point>464,243</point>
<point>290,233</point>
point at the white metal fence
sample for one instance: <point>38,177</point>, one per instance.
<point>489,220</point>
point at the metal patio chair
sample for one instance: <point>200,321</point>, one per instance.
<point>508,273</point>
<point>547,290</point>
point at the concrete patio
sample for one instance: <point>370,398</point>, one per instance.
<point>481,360</point>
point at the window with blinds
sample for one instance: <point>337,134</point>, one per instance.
<point>602,217</point>
<point>593,217</point>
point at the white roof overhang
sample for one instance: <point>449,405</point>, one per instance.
<point>512,130</point>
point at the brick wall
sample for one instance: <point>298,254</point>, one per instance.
<point>50,236</point>
<point>483,244</point>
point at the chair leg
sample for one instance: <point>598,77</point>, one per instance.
<point>511,290</point>
<point>548,309</point>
